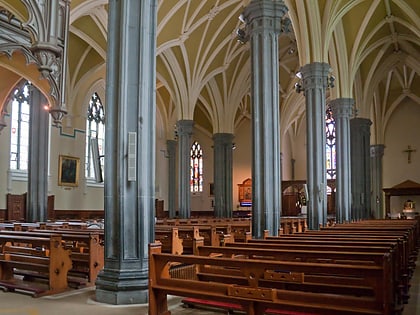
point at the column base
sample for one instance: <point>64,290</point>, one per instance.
<point>117,289</point>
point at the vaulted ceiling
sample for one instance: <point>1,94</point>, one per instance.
<point>203,72</point>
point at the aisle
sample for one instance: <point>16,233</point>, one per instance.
<point>413,306</point>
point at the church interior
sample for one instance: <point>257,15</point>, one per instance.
<point>156,132</point>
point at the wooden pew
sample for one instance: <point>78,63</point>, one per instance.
<point>244,282</point>
<point>87,252</point>
<point>168,236</point>
<point>338,255</point>
<point>187,234</point>
<point>37,255</point>
<point>394,244</point>
<point>293,255</point>
<point>238,229</point>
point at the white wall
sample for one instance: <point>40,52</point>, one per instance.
<point>403,129</point>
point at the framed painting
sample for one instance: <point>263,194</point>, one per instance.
<point>68,171</point>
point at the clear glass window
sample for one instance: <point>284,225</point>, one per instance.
<point>95,129</point>
<point>19,142</point>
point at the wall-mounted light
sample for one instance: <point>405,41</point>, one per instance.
<point>331,80</point>
<point>175,132</point>
<point>298,87</point>
<point>241,35</point>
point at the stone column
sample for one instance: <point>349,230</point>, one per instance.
<point>263,18</point>
<point>37,198</point>
<point>376,154</point>
<point>129,151</point>
<point>171,148</point>
<point>223,170</point>
<point>314,83</point>
<point>342,109</point>
<point>360,167</point>
<point>185,129</point>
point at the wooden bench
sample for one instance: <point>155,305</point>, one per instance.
<point>320,256</point>
<point>345,241</point>
<point>361,255</point>
<point>186,235</point>
<point>168,236</point>
<point>227,229</point>
<point>36,255</point>
<point>257,285</point>
<point>87,252</point>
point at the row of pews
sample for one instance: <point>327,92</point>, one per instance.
<point>358,268</point>
<point>178,236</point>
<point>48,258</point>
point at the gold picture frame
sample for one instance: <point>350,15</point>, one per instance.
<point>68,171</point>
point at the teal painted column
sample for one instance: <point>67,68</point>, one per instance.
<point>342,109</point>
<point>360,167</point>
<point>264,22</point>
<point>223,170</point>
<point>185,130</point>
<point>171,149</point>
<point>130,133</point>
<point>314,82</point>
<point>376,155</point>
<point>37,198</point>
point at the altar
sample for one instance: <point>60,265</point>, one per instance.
<point>406,188</point>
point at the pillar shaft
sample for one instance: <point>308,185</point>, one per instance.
<point>129,152</point>
<point>376,155</point>
<point>223,170</point>
<point>342,110</point>
<point>185,129</point>
<point>314,84</point>
<point>171,149</point>
<point>38,158</point>
<point>360,167</point>
<point>264,25</point>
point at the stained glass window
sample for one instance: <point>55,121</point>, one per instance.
<point>95,129</point>
<point>330,148</point>
<point>19,142</point>
<point>196,181</point>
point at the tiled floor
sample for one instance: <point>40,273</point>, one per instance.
<point>82,302</point>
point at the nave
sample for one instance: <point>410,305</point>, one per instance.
<point>81,302</point>
<point>84,299</point>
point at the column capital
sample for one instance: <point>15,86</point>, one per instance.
<point>362,122</point>
<point>267,10</point>
<point>224,138</point>
<point>185,127</point>
<point>315,75</point>
<point>342,107</point>
<point>377,150</point>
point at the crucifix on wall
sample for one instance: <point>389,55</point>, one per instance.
<point>409,150</point>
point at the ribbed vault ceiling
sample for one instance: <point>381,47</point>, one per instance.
<point>373,47</point>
